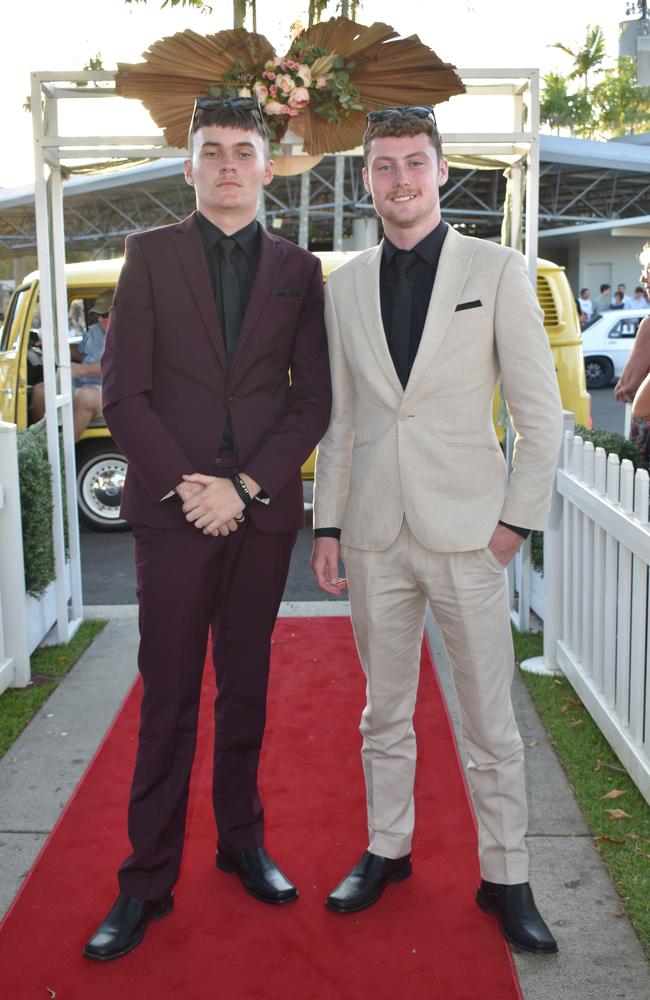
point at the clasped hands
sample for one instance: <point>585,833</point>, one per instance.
<point>212,504</point>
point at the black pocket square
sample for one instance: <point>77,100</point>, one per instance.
<point>469,305</point>
<point>288,293</point>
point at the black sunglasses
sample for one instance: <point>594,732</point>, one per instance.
<point>411,111</point>
<point>250,104</point>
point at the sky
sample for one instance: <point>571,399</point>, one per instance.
<point>66,33</point>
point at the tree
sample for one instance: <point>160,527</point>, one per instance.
<point>619,105</point>
<point>555,105</point>
<point>587,58</point>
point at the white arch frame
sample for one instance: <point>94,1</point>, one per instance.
<point>50,149</point>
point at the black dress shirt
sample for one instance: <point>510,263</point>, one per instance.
<point>422,274</point>
<point>244,262</point>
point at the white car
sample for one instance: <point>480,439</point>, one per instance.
<point>606,343</point>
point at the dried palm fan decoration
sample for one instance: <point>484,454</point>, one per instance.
<point>331,76</point>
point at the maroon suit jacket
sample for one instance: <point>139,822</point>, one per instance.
<point>167,391</point>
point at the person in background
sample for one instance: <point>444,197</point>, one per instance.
<point>640,299</point>
<point>625,300</point>
<point>637,368</point>
<point>85,371</point>
<point>585,303</point>
<point>604,300</point>
<point>617,301</point>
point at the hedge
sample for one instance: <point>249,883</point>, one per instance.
<point>36,508</point>
<point>613,444</point>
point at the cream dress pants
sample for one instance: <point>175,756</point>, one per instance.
<point>467,592</point>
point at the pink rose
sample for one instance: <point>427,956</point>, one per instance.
<point>292,111</point>
<point>285,83</point>
<point>275,108</point>
<point>261,92</point>
<point>304,73</point>
<point>273,90</point>
<point>299,98</point>
<point>321,83</point>
<point>269,76</point>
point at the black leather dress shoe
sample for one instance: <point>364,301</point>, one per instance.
<point>259,874</point>
<point>124,927</point>
<point>519,918</point>
<point>365,883</point>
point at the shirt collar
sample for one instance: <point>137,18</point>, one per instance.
<point>429,248</point>
<point>246,238</point>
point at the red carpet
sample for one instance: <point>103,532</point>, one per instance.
<point>426,938</point>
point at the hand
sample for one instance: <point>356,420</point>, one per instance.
<point>213,510</point>
<point>505,544</point>
<point>624,391</point>
<point>325,565</point>
<point>187,490</point>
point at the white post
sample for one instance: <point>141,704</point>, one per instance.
<point>14,655</point>
<point>54,329</point>
<point>553,579</point>
<point>339,188</point>
<point>532,180</point>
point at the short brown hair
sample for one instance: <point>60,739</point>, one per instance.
<point>228,116</point>
<point>398,125</point>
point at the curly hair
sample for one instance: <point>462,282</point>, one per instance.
<point>399,125</point>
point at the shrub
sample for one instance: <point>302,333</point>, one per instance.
<point>36,505</point>
<point>36,508</point>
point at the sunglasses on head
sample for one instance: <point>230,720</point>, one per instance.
<point>250,104</point>
<point>411,111</point>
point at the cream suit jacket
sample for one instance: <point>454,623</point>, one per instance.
<point>429,452</point>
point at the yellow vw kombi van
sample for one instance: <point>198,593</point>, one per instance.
<point>101,466</point>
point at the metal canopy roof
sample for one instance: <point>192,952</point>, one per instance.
<point>583,183</point>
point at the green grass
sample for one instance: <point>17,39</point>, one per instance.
<point>49,664</point>
<point>594,771</point>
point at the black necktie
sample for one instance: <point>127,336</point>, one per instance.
<point>230,296</point>
<point>400,333</point>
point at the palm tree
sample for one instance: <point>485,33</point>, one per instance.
<point>587,58</point>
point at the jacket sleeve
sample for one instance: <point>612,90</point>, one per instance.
<point>127,369</point>
<point>532,396</point>
<point>334,459</point>
<point>290,441</point>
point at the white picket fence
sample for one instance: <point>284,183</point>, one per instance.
<point>596,613</point>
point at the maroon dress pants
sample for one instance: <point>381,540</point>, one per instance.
<point>188,583</point>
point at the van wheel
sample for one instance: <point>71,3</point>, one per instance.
<point>599,372</point>
<point>101,469</point>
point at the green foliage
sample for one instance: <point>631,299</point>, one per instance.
<point>36,505</point>
<point>614,444</point>
<point>613,106</point>
<point>621,106</point>
<point>48,664</point>
<point>594,772</point>
<point>586,57</point>
<point>199,5</point>
<point>36,508</point>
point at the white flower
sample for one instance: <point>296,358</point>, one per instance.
<point>244,92</point>
<point>304,73</point>
<point>285,83</point>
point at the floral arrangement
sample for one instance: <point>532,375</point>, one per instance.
<point>333,73</point>
<point>286,85</point>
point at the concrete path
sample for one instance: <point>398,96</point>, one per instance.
<point>600,955</point>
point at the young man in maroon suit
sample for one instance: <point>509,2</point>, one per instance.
<point>216,386</point>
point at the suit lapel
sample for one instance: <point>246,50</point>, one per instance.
<point>270,257</point>
<point>453,267</point>
<point>189,247</point>
<point>367,287</point>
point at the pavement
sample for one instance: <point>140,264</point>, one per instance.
<point>600,955</point>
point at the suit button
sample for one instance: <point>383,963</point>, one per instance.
<point>403,415</point>
<point>232,399</point>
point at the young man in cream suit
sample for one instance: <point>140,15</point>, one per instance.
<point>411,485</point>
